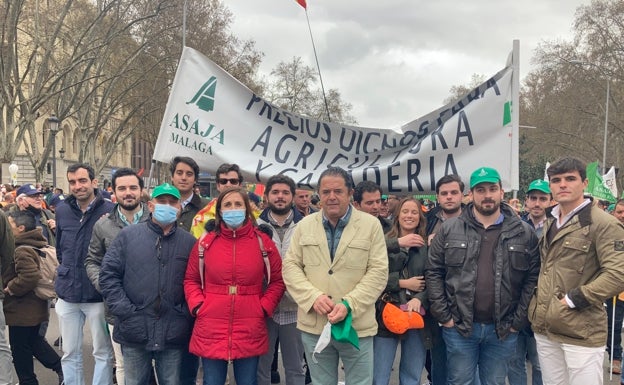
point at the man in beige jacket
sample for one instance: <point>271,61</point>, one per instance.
<point>337,265</point>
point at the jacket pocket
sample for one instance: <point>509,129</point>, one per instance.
<point>576,251</point>
<point>357,254</point>
<point>518,255</point>
<point>311,251</point>
<point>179,328</point>
<point>63,281</point>
<point>562,320</point>
<point>455,252</point>
<point>132,329</point>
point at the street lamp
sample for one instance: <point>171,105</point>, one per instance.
<point>53,124</point>
<point>606,123</point>
<point>13,171</point>
<point>62,153</point>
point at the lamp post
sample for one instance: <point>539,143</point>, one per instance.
<point>13,171</point>
<point>53,124</point>
<point>606,122</point>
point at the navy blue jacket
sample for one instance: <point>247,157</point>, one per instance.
<point>73,234</point>
<point>142,281</point>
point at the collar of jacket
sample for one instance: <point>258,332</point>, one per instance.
<point>155,227</point>
<point>510,216</point>
<point>114,214</point>
<point>584,215</point>
<point>297,216</point>
<point>245,229</point>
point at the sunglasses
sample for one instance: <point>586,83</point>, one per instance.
<point>232,181</point>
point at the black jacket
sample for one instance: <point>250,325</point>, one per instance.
<point>452,265</point>
<point>142,281</point>
<point>185,221</point>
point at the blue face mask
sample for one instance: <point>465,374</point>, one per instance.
<point>165,214</point>
<point>233,218</point>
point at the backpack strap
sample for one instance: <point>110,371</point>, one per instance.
<point>265,258</point>
<point>201,250</point>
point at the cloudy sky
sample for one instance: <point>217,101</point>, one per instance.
<point>395,60</point>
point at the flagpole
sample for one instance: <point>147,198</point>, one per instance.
<point>317,66</point>
<point>515,118</point>
<point>184,13</point>
<point>184,23</point>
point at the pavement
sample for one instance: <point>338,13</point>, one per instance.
<point>48,377</point>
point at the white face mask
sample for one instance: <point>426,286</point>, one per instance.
<point>323,341</point>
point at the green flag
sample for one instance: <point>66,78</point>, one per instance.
<point>595,187</point>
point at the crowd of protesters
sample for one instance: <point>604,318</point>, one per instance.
<point>175,287</point>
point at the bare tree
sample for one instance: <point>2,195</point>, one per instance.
<point>458,91</point>
<point>105,65</point>
<point>565,96</point>
<point>294,87</point>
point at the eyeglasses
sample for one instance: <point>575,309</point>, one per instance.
<point>224,181</point>
<point>36,197</point>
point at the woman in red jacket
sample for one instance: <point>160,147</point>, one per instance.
<point>232,291</point>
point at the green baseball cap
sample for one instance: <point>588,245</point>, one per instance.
<point>484,175</point>
<point>165,189</point>
<point>539,185</point>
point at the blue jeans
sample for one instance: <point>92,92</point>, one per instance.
<point>516,372</point>
<point>358,364</point>
<point>6,359</point>
<point>245,371</point>
<point>72,318</point>
<point>482,348</point>
<point>412,358</point>
<point>138,365</point>
<point>438,357</point>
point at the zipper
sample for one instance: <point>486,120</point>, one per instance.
<point>232,300</point>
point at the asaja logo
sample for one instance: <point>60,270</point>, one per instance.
<point>205,97</point>
<point>483,172</point>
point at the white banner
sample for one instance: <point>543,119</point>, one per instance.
<point>609,181</point>
<point>215,119</point>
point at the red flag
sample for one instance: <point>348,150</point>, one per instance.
<point>302,3</point>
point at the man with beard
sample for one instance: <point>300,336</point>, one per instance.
<point>30,199</point>
<point>481,272</point>
<point>127,187</point>
<point>282,217</point>
<point>538,199</point>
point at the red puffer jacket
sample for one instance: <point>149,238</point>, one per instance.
<point>232,307</point>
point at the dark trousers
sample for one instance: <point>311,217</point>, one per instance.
<point>26,343</point>
<point>617,337</point>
